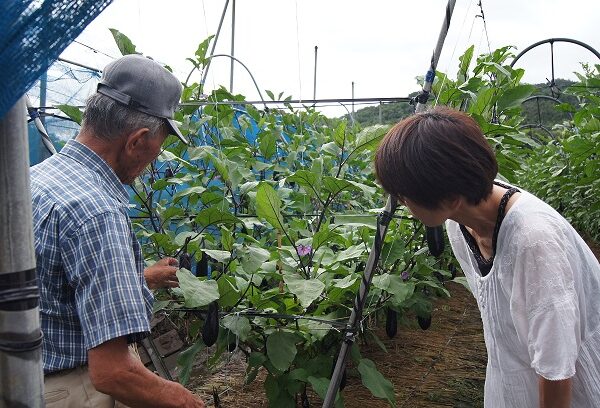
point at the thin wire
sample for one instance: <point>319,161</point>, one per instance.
<point>95,50</point>
<point>485,26</point>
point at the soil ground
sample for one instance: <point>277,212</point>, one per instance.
<point>441,367</point>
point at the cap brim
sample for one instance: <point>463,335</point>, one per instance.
<point>175,130</point>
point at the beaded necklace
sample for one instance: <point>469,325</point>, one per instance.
<point>485,265</point>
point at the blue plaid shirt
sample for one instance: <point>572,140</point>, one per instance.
<point>89,262</point>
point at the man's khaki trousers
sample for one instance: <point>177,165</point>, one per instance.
<point>74,389</point>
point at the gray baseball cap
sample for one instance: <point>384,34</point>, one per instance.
<point>144,85</point>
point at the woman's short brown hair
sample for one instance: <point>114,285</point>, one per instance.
<point>436,155</point>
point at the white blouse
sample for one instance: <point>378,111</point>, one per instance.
<point>540,306</point>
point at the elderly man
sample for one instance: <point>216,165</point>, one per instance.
<point>95,297</point>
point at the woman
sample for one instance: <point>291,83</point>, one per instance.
<point>536,282</point>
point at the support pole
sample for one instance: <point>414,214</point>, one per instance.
<point>46,142</point>
<point>21,375</point>
<point>232,45</point>
<point>315,75</point>
<point>382,225</point>
<point>359,303</point>
<point>214,45</point>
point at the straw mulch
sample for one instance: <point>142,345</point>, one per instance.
<point>441,367</point>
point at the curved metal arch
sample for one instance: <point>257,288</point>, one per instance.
<point>551,41</point>
<point>550,98</point>
<point>537,126</point>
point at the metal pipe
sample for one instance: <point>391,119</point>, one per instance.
<point>435,57</point>
<point>21,375</point>
<point>315,75</point>
<point>214,45</point>
<point>34,114</point>
<point>382,225</point>
<point>232,46</point>
<point>79,65</point>
<point>359,303</point>
<point>247,70</point>
<point>204,102</point>
<point>552,40</point>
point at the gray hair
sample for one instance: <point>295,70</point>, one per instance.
<point>108,119</point>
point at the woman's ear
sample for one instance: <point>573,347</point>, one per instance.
<point>454,203</point>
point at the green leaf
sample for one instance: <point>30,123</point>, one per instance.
<point>323,237</point>
<point>268,205</point>
<point>379,386</point>
<point>369,138</point>
<point>513,97</point>
<point>188,192</point>
<point>281,349</point>
<point>393,251</point>
<point>465,62</point>
<point>339,134</point>
<point>483,102</point>
<point>252,258</point>
<point>394,285</point>
<point>72,112</point>
<point>335,185</point>
<point>186,361</point>
<point>228,293</point>
<point>267,144</point>
<point>214,216</point>
<point>331,148</point>
<point>219,256</point>
<point>197,293</point>
<point>352,220</point>
<point>320,385</point>
<point>123,42</point>
<point>238,325</point>
<point>307,290</point>
<point>306,180</point>
<point>355,251</point>
<point>202,48</point>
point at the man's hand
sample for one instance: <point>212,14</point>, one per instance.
<point>162,274</point>
<point>115,371</point>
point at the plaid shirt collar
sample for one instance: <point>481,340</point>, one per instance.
<point>87,157</point>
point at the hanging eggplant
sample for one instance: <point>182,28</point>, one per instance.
<point>185,261</point>
<point>452,270</point>
<point>304,399</point>
<point>424,322</point>
<point>391,323</point>
<point>210,330</point>
<point>168,173</point>
<point>202,266</point>
<point>435,240</point>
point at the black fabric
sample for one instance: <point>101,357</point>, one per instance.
<point>33,33</point>
<point>485,265</point>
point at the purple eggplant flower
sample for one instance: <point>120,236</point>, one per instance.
<point>405,276</point>
<point>303,249</point>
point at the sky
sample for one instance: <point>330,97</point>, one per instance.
<point>380,45</point>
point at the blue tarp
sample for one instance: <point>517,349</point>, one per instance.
<point>33,33</point>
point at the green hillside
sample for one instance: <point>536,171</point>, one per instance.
<point>540,111</point>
